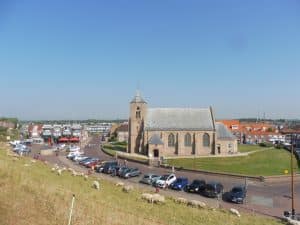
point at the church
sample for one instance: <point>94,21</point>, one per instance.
<point>171,132</point>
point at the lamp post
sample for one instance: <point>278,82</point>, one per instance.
<point>292,172</point>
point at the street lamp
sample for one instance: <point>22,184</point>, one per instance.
<point>293,142</point>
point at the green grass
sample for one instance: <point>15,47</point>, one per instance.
<point>35,195</point>
<point>250,148</point>
<point>264,163</point>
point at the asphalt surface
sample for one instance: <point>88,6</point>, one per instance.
<point>269,199</point>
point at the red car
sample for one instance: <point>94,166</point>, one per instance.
<point>92,163</point>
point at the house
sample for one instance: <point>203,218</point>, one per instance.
<point>122,132</point>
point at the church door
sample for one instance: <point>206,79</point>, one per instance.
<point>156,153</point>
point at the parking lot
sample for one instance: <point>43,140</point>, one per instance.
<point>264,198</point>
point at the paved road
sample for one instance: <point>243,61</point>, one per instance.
<point>264,198</point>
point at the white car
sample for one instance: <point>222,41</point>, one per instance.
<point>165,180</point>
<point>78,158</point>
<point>71,154</point>
<point>74,149</point>
<point>61,146</point>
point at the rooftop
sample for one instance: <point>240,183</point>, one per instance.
<point>179,119</point>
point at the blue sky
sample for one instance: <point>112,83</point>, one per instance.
<point>79,59</point>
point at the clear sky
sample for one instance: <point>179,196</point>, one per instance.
<point>77,59</point>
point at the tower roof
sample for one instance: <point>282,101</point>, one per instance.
<point>138,98</point>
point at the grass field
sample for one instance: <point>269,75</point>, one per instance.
<point>264,163</point>
<point>250,148</point>
<point>32,194</point>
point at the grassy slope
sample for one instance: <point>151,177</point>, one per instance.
<point>269,162</point>
<point>34,195</point>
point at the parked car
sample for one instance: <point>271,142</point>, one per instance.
<point>73,154</point>
<point>78,158</point>
<point>165,180</point>
<point>237,194</point>
<point>109,167</point>
<point>197,186</point>
<point>23,150</point>
<point>149,178</point>
<point>179,184</point>
<point>92,163</point>
<point>74,149</point>
<point>81,162</point>
<point>213,190</point>
<point>119,170</point>
<point>100,166</point>
<point>130,172</point>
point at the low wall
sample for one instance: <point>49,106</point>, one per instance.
<point>255,178</point>
<point>282,178</point>
<point>124,157</point>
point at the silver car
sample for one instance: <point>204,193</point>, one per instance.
<point>149,178</point>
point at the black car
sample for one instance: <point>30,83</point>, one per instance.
<point>197,186</point>
<point>237,194</point>
<point>119,170</point>
<point>213,190</point>
<point>109,167</point>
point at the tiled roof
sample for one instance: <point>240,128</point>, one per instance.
<point>122,128</point>
<point>155,140</point>
<point>179,119</point>
<point>223,132</point>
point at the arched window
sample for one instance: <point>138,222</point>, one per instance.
<point>171,140</point>
<point>187,140</point>
<point>206,141</point>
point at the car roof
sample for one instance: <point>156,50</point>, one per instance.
<point>239,186</point>
<point>199,180</point>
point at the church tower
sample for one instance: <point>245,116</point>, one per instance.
<point>138,110</point>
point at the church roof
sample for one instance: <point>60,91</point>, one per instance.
<point>155,140</point>
<point>179,119</point>
<point>138,98</point>
<point>223,132</point>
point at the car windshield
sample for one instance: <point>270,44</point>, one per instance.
<point>146,176</point>
<point>210,187</point>
<point>164,177</point>
<point>179,180</point>
<point>196,182</point>
<point>237,189</point>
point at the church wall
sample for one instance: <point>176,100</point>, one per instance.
<point>180,149</point>
<point>227,146</point>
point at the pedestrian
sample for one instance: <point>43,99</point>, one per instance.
<point>125,163</point>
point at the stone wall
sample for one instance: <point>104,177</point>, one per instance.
<point>180,149</point>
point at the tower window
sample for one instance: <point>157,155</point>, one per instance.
<point>138,114</point>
